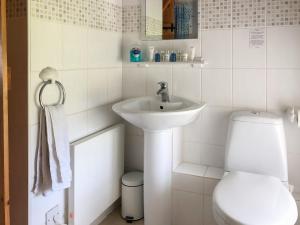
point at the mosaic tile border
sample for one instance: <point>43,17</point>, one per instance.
<point>16,8</point>
<point>247,13</point>
<point>215,14</point>
<point>97,14</point>
<point>283,12</point>
<point>131,18</point>
<point>223,14</point>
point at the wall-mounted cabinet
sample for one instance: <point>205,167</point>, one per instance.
<point>169,19</point>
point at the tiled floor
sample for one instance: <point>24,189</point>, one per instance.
<point>115,219</point>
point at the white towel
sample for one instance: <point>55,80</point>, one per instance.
<point>52,170</point>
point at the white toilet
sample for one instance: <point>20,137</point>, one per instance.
<point>254,190</point>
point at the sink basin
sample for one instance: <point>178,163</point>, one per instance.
<point>157,120</point>
<point>150,113</point>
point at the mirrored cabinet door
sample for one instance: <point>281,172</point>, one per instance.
<point>169,19</point>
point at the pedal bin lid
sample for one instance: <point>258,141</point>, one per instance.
<point>133,179</point>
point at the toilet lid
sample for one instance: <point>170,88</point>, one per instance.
<point>253,199</point>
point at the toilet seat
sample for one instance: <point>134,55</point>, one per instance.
<point>253,199</point>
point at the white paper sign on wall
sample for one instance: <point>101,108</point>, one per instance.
<point>256,38</point>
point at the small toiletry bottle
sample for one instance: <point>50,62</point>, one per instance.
<point>157,56</point>
<point>185,57</point>
<point>179,56</point>
<point>173,56</point>
<point>150,53</point>
<point>192,53</point>
<point>167,56</point>
<point>135,55</point>
<point>162,55</point>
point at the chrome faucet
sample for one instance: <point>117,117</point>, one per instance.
<point>163,91</point>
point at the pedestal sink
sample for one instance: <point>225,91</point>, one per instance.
<point>157,119</point>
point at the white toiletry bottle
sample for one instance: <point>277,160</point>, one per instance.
<point>150,53</point>
<point>192,53</point>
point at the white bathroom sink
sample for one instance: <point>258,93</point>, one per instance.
<point>157,119</point>
<point>150,113</point>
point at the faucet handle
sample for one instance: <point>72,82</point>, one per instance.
<point>163,84</point>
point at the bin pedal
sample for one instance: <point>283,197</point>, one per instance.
<point>129,219</point>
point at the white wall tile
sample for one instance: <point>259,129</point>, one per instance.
<point>133,130</point>
<point>215,172</point>
<point>294,168</point>
<point>209,185</point>
<point>210,128</point>
<point>104,49</point>
<point>283,89</point>
<point>212,155</point>
<point>188,183</point>
<point>156,74</point>
<point>249,88</point>
<point>187,208</point>
<point>217,86</point>
<point>134,152</point>
<point>187,82</point>
<point>114,77</point>
<point>75,83</point>
<point>283,48</point>
<point>46,45</point>
<point>77,125</point>
<point>214,125</point>
<point>191,169</point>
<point>204,154</point>
<point>101,117</point>
<point>74,47</point>
<point>208,211</point>
<point>217,48</point>
<point>245,56</point>
<point>292,133</point>
<point>97,87</point>
<point>191,152</point>
<point>298,206</point>
<point>134,82</point>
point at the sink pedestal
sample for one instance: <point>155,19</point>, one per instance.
<point>158,177</point>
<point>157,119</point>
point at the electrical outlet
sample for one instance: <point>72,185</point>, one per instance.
<point>51,214</point>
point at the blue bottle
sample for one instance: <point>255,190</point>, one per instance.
<point>173,57</point>
<point>157,57</point>
<point>135,55</point>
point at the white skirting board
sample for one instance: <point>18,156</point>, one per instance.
<point>97,165</point>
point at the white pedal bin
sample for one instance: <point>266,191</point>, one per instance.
<point>133,196</point>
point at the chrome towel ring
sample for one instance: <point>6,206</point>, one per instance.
<point>49,76</point>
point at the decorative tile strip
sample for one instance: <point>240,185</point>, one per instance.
<point>215,14</point>
<point>283,12</point>
<point>131,18</point>
<point>96,14</point>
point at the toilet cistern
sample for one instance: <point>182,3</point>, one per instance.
<point>254,189</point>
<point>163,91</point>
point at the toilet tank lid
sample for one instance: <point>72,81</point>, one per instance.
<point>256,117</point>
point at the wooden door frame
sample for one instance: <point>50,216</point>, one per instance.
<point>4,139</point>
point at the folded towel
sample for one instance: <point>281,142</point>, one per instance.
<point>52,169</point>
